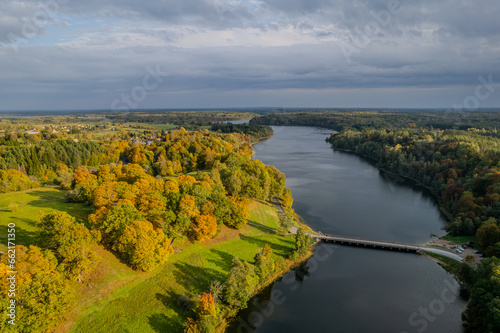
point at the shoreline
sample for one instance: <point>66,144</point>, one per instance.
<point>229,318</point>
<point>449,217</point>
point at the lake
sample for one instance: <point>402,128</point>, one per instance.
<point>348,289</point>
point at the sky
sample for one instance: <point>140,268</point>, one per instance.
<point>129,54</point>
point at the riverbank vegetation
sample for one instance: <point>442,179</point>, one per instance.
<point>456,155</point>
<point>358,120</point>
<point>461,167</point>
<point>134,210</point>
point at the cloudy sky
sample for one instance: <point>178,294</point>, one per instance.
<point>129,54</point>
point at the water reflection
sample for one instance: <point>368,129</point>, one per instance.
<point>349,289</point>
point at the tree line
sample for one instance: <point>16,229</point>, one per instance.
<point>462,167</point>
<point>143,201</point>
<point>359,120</point>
<point>162,154</point>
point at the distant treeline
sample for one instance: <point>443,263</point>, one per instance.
<point>255,131</point>
<point>162,154</point>
<point>360,120</point>
<point>463,169</point>
<point>184,118</point>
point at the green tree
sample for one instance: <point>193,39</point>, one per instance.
<point>302,242</point>
<point>488,236</point>
<point>72,242</point>
<point>240,284</point>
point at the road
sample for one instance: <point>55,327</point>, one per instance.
<point>443,253</point>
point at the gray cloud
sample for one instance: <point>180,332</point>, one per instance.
<point>236,48</point>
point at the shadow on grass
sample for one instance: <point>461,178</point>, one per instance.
<point>161,323</point>
<point>264,228</point>
<point>78,210</point>
<point>23,236</point>
<point>46,193</point>
<point>279,249</point>
<point>224,261</point>
<point>196,279</point>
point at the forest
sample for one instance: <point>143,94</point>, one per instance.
<point>338,120</point>
<point>462,168</point>
<point>151,185</point>
<point>147,192</point>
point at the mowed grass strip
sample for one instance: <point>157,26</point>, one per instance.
<point>33,204</point>
<point>149,304</point>
<point>264,214</point>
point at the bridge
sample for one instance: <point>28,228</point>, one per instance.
<point>393,246</point>
<point>360,242</point>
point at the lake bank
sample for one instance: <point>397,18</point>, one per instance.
<point>355,288</point>
<point>188,272</point>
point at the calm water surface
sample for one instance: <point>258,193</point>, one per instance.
<point>346,289</point>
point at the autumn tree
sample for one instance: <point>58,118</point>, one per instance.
<point>72,243</point>
<point>264,264</point>
<point>43,295</point>
<point>191,326</point>
<point>207,315</point>
<point>204,227</point>
<point>117,220</point>
<point>239,212</point>
<point>143,247</point>
<point>187,205</point>
<point>207,305</point>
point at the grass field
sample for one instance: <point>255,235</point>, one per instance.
<point>32,204</point>
<point>450,265</point>
<point>460,239</point>
<point>149,302</point>
<point>264,214</point>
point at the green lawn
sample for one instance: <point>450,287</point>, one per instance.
<point>264,214</point>
<point>151,305</point>
<point>31,205</point>
<point>460,239</point>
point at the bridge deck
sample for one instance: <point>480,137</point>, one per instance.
<point>395,246</point>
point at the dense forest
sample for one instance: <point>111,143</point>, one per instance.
<point>161,153</point>
<point>462,168</point>
<point>147,193</point>
<point>152,187</point>
<point>186,119</point>
<point>339,120</point>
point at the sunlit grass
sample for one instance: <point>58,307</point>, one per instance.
<point>32,205</point>
<point>151,305</point>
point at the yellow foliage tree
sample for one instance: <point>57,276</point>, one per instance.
<point>187,205</point>
<point>204,228</point>
<point>143,246</point>
<point>105,195</point>
<point>43,295</point>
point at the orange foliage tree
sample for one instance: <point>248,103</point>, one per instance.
<point>207,305</point>
<point>43,295</point>
<point>143,246</point>
<point>204,227</point>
